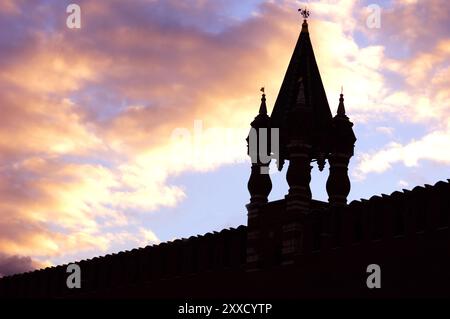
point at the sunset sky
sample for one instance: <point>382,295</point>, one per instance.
<point>91,156</point>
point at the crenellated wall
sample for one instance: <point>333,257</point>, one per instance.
<point>224,250</point>
<point>407,214</point>
<point>401,215</point>
<point>406,232</point>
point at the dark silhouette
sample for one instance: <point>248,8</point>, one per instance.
<point>296,247</point>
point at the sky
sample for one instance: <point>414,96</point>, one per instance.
<point>130,131</point>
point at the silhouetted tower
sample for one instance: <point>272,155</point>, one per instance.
<point>307,133</point>
<point>342,145</point>
<point>259,184</point>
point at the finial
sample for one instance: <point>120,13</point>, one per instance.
<point>342,90</point>
<point>263,108</point>
<point>304,12</point>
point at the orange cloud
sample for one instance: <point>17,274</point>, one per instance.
<point>88,117</point>
<point>423,99</point>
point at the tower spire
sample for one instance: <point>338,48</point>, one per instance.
<point>304,131</point>
<point>263,107</point>
<point>343,143</point>
<point>303,66</point>
<point>259,184</point>
<point>341,107</point>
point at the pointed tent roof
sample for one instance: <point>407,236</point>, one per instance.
<point>262,119</point>
<point>341,106</point>
<point>303,68</point>
<point>263,107</point>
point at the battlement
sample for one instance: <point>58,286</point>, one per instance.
<point>410,216</point>
<point>401,215</point>
<point>224,250</point>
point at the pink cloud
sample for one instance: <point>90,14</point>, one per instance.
<point>87,116</point>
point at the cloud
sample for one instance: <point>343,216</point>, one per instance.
<point>419,24</point>
<point>87,119</point>
<point>12,264</point>
<point>433,147</point>
<point>148,237</point>
<point>87,143</point>
<point>403,183</point>
<point>423,94</point>
<point>385,130</point>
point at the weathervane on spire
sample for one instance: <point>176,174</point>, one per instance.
<point>304,12</point>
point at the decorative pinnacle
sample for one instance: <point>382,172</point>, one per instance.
<point>263,108</point>
<point>341,107</point>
